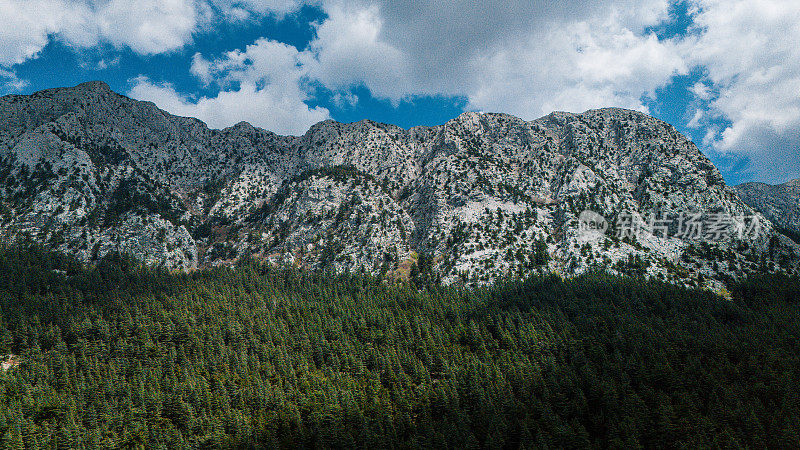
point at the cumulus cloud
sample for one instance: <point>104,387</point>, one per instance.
<point>348,51</point>
<point>144,26</point>
<point>525,58</point>
<point>749,52</point>
<point>28,24</point>
<point>265,85</point>
<point>9,82</point>
<point>246,9</point>
<point>574,69</point>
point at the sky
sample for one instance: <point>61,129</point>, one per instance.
<point>726,73</point>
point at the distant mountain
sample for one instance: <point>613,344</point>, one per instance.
<point>88,171</point>
<point>779,203</point>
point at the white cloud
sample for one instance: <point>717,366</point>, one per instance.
<point>201,68</point>
<point>103,63</point>
<point>27,26</point>
<point>574,69</point>
<point>524,58</point>
<point>265,85</point>
<point>144,26</point>
<point>246,9</point>
<point>345,100</point>
<point>701,90</point>
<point>348,51</point>
<point>750,53</point>
<point>10,83</point>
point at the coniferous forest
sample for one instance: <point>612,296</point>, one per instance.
<point>119,355</point>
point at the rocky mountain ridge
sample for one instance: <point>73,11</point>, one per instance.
<point>778,203</point>
<point>483,196</point>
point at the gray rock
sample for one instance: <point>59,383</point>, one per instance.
<point>779,203</point>
<point>483,196</point>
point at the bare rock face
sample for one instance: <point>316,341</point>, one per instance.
<point>780,203</point>
<point>483,196</point>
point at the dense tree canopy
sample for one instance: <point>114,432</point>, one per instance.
<point>120,355</point>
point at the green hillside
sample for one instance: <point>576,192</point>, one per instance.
<point>119,355</point>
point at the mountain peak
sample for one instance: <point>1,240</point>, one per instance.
<point>95,85</point>
<point>780,203</point>
<point>481,196</point>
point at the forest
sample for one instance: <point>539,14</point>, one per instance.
<point>119,355</point>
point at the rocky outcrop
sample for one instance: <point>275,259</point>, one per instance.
<point>483,196</point>
<point>780,203</point>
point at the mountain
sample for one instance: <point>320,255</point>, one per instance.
<point>88,171</point>
<point>779,203</point>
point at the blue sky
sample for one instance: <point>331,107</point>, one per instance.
<point>725,73</point>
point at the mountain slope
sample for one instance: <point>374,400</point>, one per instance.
<point>779,203</point>
<point>89,171</point>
